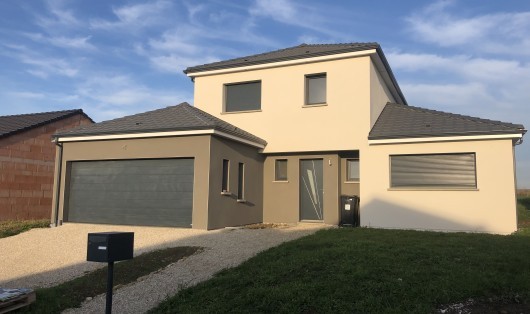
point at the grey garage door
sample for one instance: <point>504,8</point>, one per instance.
<point>147,192</point>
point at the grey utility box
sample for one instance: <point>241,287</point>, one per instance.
<point>110,246</point>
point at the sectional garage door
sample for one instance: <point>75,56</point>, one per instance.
<point>146,192</point>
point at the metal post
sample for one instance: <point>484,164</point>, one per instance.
<point>110,273</point>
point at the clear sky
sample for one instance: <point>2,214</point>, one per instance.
<point>113,58</point>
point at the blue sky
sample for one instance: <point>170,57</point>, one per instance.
<point>113,58</point>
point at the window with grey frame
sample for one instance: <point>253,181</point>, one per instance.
<point>315,86</point>
<point>242,96</point>
<point>226,174</point>
<point>453,171</point>
<point>352,170</point>
<point>241,181</point>
<point>280,170</point>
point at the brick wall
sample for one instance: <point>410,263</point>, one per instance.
<point>27,162</point>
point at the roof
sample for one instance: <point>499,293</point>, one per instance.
<point>182,117</point>
<point>400,121</point>
<point>299,52</point>
<point>292,53</point>
<point>10,125</point>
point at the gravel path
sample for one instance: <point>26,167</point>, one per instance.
<point>45,257</point>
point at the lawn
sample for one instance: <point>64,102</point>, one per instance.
<point>72,293</point>
<point>372,271</point>
<point>14,227</point>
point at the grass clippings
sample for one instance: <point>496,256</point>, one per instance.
<point>72,293</point>
<point>13,227</point>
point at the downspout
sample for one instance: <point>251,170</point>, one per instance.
<point>58,173</point>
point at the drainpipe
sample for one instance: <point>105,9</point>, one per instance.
<point>58,173</point>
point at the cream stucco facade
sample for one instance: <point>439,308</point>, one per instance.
<point>488,208</point>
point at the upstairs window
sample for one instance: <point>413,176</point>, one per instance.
<point>352,170</point>
<point>453,171</point>
<point>315,89</point>
<point>243,96</point>
<point>280,170</point>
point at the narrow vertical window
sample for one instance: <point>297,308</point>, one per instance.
<point>241,181</point>
<point>226,171</point>
<point>280,170</point>
<point>315,89</point>
<point>352,170</point>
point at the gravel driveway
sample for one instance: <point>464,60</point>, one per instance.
<point>45,257</point>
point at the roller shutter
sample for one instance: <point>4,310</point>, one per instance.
<point>148,192</point>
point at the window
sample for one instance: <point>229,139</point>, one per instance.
<point>226,171</point>
<point>352,170</point>
<point>280,170</point>
<point>315,89</point>
<point>243,96</point>
<point>433,171</point>
<point>241,181</point>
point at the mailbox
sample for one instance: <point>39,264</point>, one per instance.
<point>110,246</point>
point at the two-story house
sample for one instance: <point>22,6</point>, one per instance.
<point>279,137</point>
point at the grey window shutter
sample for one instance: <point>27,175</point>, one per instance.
<point>433,170</point>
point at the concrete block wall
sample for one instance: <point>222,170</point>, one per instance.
<point>27,162</point>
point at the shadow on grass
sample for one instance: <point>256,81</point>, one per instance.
<point>72,293</point>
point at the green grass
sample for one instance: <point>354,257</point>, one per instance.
<point>14,227</point>
<point>523,215</point>
<point>72,293</point>
<point>367,271</point>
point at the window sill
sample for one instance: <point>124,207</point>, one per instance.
<point>241,201</point>
<point>314,105</point>
<point>434,189</point>
<point>350,182</point>
<point>242,111</point>
<point>227,193</point>
<point>280,181</point>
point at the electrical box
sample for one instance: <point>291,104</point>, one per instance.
<point>110,246</point>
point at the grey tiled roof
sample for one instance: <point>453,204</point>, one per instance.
<point>10,125</point>
<point>399,121</point>
<point>182,117</point>
<point>298,52</point>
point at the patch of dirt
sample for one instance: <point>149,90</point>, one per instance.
<point>496,305</point>
<point>266,226</point>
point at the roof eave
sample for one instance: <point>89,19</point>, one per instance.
<point>515,133</point>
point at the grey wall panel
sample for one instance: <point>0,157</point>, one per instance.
<point>152,192</point>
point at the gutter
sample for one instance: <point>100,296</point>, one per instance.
<point>58,173</point>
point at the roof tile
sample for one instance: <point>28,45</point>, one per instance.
<point>400,121</point>
<point>298,52</point>
<point>17,123</point>
<point>174,118</point>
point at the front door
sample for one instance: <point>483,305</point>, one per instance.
<point>311,190</point>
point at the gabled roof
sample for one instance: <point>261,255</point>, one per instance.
<point>10,125</point>
<point>292,53</point>
<point>399,121</point>
<point>182,117</point>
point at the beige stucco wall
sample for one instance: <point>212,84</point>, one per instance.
<point>197,147</point>
<point>490,208</point>
<point>379,94</point>
<point>283,121</point>
<point>347,188</point>
<point>224,210</point>
<point>282,199</point>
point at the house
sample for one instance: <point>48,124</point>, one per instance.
<point>279,137</point>
<point>27,158</point>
